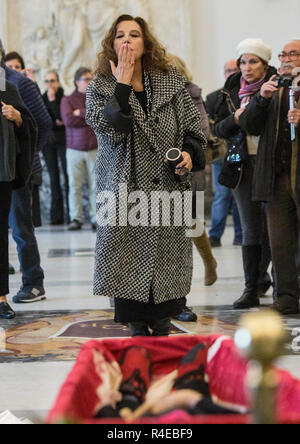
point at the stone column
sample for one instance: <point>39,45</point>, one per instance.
<point>3,22</point>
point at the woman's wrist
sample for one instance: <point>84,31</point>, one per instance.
<point>124,80</point>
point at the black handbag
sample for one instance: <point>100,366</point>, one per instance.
<point>231,175</point>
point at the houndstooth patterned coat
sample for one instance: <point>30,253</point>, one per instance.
<point>132,149</point>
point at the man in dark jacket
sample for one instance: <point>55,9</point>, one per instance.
<point>20,218</point>
<point>277,175</point>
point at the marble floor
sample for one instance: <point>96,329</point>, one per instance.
<point>38,348</point>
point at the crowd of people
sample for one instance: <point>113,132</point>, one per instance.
<point>116,127</point>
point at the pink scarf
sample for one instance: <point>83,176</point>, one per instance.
<point>248,91</point>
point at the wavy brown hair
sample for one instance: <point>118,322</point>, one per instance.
<point>155,56</point>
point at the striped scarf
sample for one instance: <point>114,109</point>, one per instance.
<point>248,91</point>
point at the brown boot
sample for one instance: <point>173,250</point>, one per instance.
<point>204,248</point>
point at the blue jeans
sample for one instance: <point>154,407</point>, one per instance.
<point>20,222</point>
<point>222,203</point>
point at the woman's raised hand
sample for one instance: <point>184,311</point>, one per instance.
<point>269,88</point>
<point>124,71</point>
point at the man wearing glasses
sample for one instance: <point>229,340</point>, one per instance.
<point>277,175</point>
<point>81,150</point>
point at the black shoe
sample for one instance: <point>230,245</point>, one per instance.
<point>6,312</point>
<point>75,225</point>
<point>215,242</point>
<point>161,327</point>
<point>249,299</point>
<point>286,305</point>
<point>11,269</point>
<point>187,315</point>
<point>139,329</point>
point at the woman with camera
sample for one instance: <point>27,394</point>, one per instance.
<point>237,173</point>
<point>18,141</point>
<point>139,109</point>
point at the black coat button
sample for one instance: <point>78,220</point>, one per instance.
<point>156,181</point>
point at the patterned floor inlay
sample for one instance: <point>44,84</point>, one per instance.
<point>58,336</point>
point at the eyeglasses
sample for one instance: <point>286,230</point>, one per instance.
<point>293,55</point>
<point>50,81</point>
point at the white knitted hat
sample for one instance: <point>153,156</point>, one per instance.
<point>256,47</point>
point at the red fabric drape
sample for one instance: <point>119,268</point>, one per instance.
<point>225,370</point>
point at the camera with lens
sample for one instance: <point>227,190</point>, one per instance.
<point>284,81</point>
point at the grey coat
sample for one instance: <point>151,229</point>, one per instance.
<point>132,149</point>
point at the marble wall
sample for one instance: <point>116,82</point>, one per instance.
<point>219,25</point>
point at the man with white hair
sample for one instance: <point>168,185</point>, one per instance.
<point>277,175</point>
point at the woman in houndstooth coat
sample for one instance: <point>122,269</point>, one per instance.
<point>139,108</point>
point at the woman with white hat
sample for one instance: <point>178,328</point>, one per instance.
<point>253,60</point>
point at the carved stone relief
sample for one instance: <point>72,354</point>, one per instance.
<point>67,34</point>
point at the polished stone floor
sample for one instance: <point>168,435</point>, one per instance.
<point>38,348</point>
